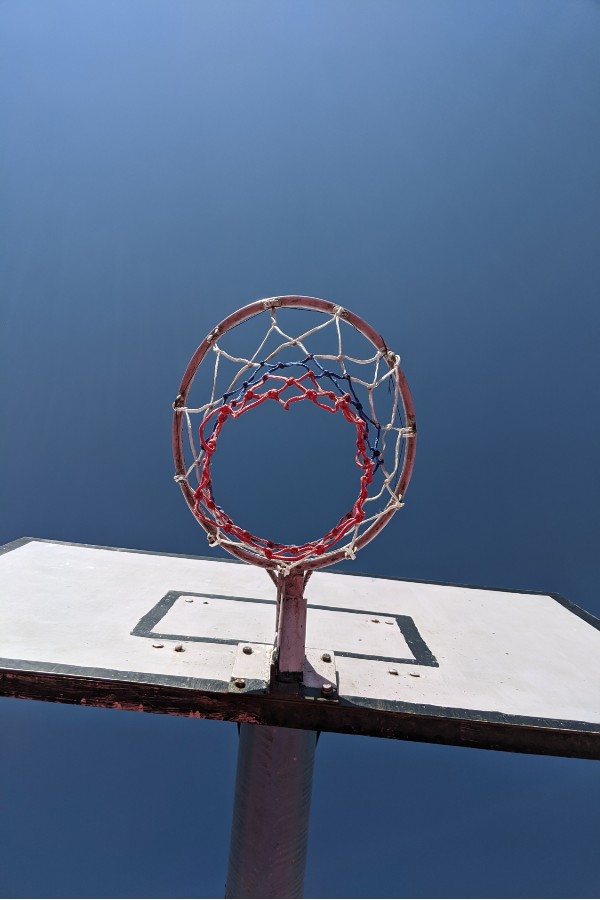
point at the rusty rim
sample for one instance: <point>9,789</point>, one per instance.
<point>238,318</point>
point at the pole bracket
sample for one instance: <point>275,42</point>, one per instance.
<point>317,681</point>
<point>251,669</point>
<point>320,680</point>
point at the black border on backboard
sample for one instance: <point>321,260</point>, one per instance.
<point>421,654</point>
<point>210,699</point>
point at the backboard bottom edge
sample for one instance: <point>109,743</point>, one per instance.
<point>344,717</point>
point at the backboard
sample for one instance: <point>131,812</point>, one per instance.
<point>506,670</point>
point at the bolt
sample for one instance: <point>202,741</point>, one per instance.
<point>179,648</point>
<point>240,683</point>
<point>327,689</point>
<point>393,671</point>
<point>158,646</point>
<point>326,657</point>
<point>376,621</point>
<point>247,650</point>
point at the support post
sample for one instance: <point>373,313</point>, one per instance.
<point>269,836</point>
<point>290,641</point>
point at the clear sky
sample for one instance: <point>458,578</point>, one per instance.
<point>434,166</point>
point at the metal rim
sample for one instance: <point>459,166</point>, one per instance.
<point>238,318</point>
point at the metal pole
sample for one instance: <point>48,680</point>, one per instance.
<point>290,637</point>
<point>269,835</point>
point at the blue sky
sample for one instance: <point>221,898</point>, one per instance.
<point>434,166</point>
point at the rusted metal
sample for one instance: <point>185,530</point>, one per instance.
<point>290,641</point>
<point>488,731</point>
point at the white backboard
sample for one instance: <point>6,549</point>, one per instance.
<point>162,633</point>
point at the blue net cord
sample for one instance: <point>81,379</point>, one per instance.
<point>342,384</point>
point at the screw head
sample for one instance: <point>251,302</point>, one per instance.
<point>247,650</point>
<point>158,646</point>
<point>326,657</point>
<point>327,689</point>
<point>393,671</point>
<point>240,682</point>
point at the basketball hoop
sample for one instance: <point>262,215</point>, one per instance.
<point>284,370</point>
<point>292,363</point>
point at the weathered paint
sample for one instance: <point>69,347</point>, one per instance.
<point>498,669</point>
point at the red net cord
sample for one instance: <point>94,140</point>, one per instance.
<point>308,388</point>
